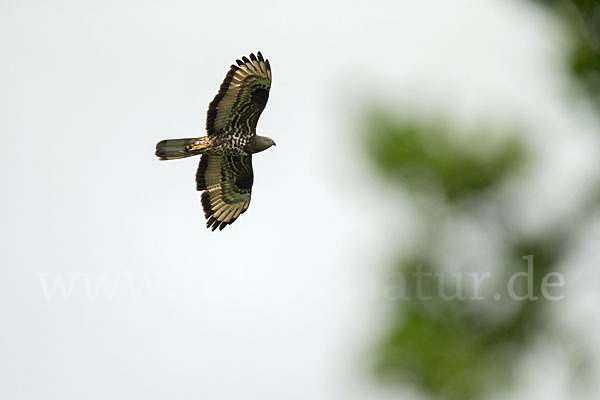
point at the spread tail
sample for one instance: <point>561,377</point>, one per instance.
<point>172,149</point>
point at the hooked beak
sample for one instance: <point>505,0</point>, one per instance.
<point>274,144</point>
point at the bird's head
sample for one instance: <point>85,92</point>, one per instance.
<point>260,143</point>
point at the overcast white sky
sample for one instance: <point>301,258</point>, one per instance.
<point>281,303</point>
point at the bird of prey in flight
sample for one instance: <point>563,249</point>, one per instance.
<point>225,170</point>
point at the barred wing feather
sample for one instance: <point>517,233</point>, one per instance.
<point>242,97</point>
<point>227,185</point>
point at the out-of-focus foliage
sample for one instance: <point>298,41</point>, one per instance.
<point>410,151</point>
<point>459,348</point>
<point>583,19</point>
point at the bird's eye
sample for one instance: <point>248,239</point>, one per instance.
<point>266,140</point>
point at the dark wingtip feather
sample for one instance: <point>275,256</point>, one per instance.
<point>212,223</point>
<point>260,56</point>
<point>245,59</point>
<point>239,62</point>
<point>253,57</point>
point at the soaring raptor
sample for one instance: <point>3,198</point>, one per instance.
<point>225,170</point>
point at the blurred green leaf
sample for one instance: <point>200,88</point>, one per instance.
<point>454,351</point>
<point>412,151</point>
<point>582,18</point>
<point>441,355</point>
<point>449,348</point>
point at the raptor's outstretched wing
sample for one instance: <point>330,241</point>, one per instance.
<point>242,97</point>
<point>227,185</point>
